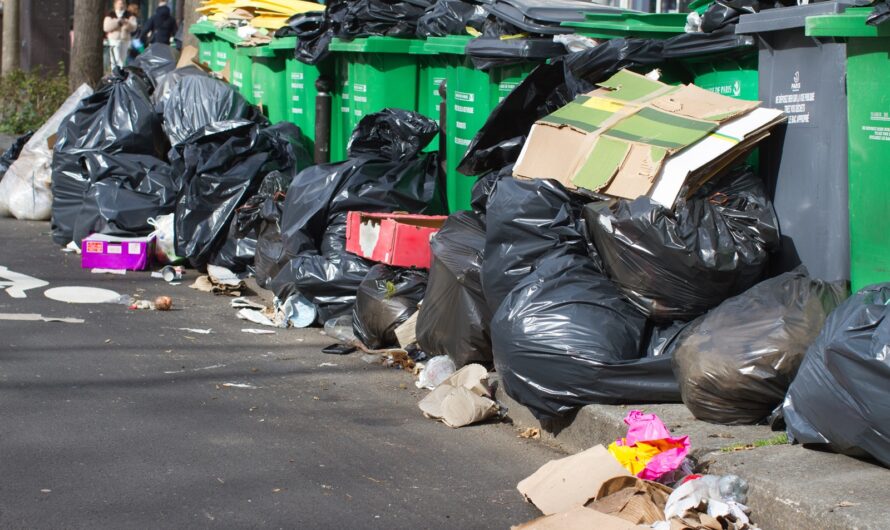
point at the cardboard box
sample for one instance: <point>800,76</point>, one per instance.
<point>100,251</point>
<point>401,240</point>
<point>616,139</point>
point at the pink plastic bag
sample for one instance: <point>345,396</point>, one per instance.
<point>642,427</point>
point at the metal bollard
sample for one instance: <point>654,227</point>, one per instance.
<point>323,120</point>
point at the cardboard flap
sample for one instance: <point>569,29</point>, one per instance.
<point>569,482</point>
<point>578,519</point>
<point>700,104</point>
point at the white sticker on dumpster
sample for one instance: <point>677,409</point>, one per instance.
<point>797,104</point>
<point>878,132</point>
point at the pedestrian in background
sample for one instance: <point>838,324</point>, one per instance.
<point>119,25</point>
<point>136,44</point>
<point>161,27</point>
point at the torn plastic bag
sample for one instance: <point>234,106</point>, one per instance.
<point>156,61</point>
<point>198,101</point>
<point>238,252</point>
<point>455,319</point>
<point>677,265</point>
<point>125,191</point>
<point>222,165</point>
<point>118,118</point>
<point>11,155</point>
<point>487,52</point>
<point>664,338</point>
<point>385,299</point>
<point>879,15</point>
<point>565,338</point>
<point>551,86</point>
<point>385,172</point>
<point>451,17</point>
<point>839,397</point>
<point>735,364</point>
<point>393,18</point>
<point>526,221</point>
<point>314,31</point>
<point>25,189</point>
<point>270,255</point>
<point>167,82</point>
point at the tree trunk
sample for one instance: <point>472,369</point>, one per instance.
<point>12,46</point>
<point>189,17</point>
<point>86,50</point>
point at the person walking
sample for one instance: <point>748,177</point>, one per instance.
<point>161,27</point>
<point>119,25</point>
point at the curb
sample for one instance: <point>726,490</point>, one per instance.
<point>790,487</point>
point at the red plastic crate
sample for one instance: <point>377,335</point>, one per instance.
<point>398,239</point>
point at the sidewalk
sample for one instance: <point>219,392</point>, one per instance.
<point>791,487</point>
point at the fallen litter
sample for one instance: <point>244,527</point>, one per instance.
<point>169,274</point>
<point>649,451</point>
<point>244,302</point>
<point>120,272</point>
<point>39,318</point>
<point>161,303</point>
<point>323,365</point>
<point>258,331</point>
<point>104,252</point>
<point>207,331</point>
<point>435,371</point>
<point>461,399</point>
<point>239,385</point>
<point>86,295</point>
<point>256,317</point>
<point>530,433</point>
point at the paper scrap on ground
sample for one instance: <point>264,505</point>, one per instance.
<point>34,317</point>
<point>83,295</point>
<point>120,272</point>
<point>17,284</point>
<point>244,302</point>
<point>223,276</point>
<point>207,331</point>
<point>462,399</point>
<point>258,331</point>
<point>256,317</point>
<point>322,365</point>
<point>579,518</point>
<point>560,485</point>
<point>238,385</point>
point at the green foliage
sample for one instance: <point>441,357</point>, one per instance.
<point>28,99</point>
<point>779,439</point>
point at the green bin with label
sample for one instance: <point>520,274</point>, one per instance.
<point>240,60</point>
<point>868,131</point>
<point>205,32</point>
<point>471,96</point>
<point>377,73</point>
<point>224,48</point>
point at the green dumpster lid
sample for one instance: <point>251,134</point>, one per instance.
<point>451,44</point>
<point>851,23</point>
<point>379,44</point>
<point>202,28</point>
<point>284,43</point>
<point>229,35</point>
<point>630,23</point>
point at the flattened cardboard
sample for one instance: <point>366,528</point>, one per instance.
<point>633,499</point>
<point>462,399</point>
<point>617,138</point>
<point>560,485</point>
<point>579,518</point>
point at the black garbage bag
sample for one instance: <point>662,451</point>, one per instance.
<point>386,298</point>
<point>565,338</point>
<point>526,221</point>
<point>167,82</point>
<point>197,101</point>
<point>12,154</point>
<point>455,318</point>
<point>239,250</point>
<point>551,86</point>
<point>125,190</point>
<point>735,364</point>
<point>879,15</point>
<point>314,31</point>
<point>156,61</point>
<point>664,338</point>
<point>392,18</point>
<point>385,172</point>
<point>118,118</point>
<point>222,165</point>
<point>839,398</point>
<point>677,265</point>
<point>451,17</point>
<point>270,255</point>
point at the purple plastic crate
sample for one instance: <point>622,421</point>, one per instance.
<point>108,252</point>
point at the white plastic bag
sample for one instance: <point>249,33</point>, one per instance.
<point>437,370</point>
<point>165,241</point>
<point>25,189</point>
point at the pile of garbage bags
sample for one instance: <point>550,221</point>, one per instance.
<point>385,171</point>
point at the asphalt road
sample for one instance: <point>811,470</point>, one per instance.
<point>123,421</point>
